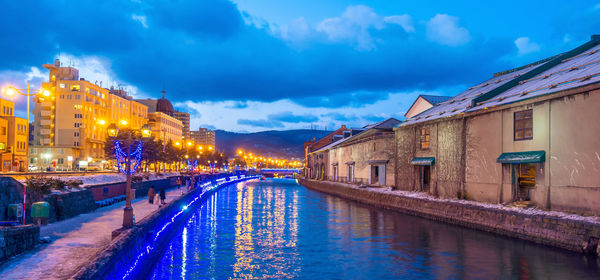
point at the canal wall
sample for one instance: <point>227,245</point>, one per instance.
<point>561,230</point>
<point>135,249</point>
<point>70,204</point>
<point>17,239</point>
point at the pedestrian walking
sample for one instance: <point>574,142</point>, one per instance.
<point>178,182</point>
<point>163,195</point>
<point>151,194</point>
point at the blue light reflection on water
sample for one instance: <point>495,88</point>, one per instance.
<point>278,229</point>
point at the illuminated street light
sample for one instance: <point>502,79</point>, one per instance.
<point>113,131</point>
<point>10,91</point>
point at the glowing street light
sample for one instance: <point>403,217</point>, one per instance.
<point>10,91</point>
<point>113,131</point>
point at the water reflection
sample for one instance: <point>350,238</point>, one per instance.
<point>278,229</point>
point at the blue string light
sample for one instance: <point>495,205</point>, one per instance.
<point>192,166</point>
<point>206,187</point>
<point>135,158</point>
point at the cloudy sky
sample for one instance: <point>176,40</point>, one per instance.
<point>251,65</point>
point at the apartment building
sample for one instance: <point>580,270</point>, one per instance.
<point>70,124</point>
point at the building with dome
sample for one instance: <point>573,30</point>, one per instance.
<point>161,118</point>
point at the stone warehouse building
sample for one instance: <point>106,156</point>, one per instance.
<point>527,134</point>
<point>310,163</point>
<point>366,157</point>
<point>362,156</point>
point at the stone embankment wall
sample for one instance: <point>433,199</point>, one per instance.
<point>71,204</point>
<point>17,239</point>
<point>566,233</point>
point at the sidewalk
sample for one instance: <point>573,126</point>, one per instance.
<point>74,241</point>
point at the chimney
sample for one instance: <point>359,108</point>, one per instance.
<point>57,62</point>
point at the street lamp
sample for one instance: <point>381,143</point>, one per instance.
<point>128,158</point>
<point>11,91</point>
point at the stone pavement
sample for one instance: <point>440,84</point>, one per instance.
<point>74,241</point>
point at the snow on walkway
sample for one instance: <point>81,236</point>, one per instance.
<point>75,241</point>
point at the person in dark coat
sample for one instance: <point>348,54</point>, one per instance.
<point>151,194</point>
<point>163,195</point>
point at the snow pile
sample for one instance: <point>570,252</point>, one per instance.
<point>101,179</point>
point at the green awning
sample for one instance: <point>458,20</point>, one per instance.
<point>522,157</point>
<point>423,161</point>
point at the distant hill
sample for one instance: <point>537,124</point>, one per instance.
<point>272,143</point>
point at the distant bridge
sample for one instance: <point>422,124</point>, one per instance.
<point>270,172</point>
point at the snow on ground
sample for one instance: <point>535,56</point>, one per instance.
<point>100,179</point>
<point>75,241</point>
<point>527,211</point>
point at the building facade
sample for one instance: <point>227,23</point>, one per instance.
<point>14,139</point>
<point>310,165</point>
<point>185,120</point>
<point>523,137</point>
<point>366,157</point>
<point>165,127</point>
<point>70,124</point>
<point>204,137</point>
<point>161,118</point>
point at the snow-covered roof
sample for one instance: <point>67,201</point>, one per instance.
<point>577,71</point>
<point>385,124</point>
<point>578,67</point>
<point>435,99</point>
<point>460,103</point>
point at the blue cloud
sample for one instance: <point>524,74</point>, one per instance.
<point>205,50</point>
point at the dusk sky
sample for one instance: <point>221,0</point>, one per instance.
<point>252,65</point>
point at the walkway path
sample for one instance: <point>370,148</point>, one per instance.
<point>75,240</point>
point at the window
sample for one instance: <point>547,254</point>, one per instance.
<point>524,125</point>
<point>76,134</point>
<point>77,124</point>
<point>62,85</point>
<point>77,96</point>
<point>76,143</point>
<point>78,116</point>
<point>424,138</point>
<point>61,161</point>
<point>75,88</point>
<point>3,131</point>
<point>2,146</point>
<point>375,146</point>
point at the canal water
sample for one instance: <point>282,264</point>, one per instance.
<point>277,229</point>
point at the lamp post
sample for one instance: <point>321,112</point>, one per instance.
<point>127,160</point>
<point>10,91</point>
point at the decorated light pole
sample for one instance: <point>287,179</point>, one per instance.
<point>128,162</point>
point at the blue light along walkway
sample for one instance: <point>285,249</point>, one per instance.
<point>75,240</point>
<point>277,229</point>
